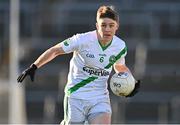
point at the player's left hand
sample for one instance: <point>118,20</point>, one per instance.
<point>136,89</point>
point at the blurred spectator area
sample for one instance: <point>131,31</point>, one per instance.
<point>151,29</point>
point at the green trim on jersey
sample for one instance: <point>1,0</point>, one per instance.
<point>104,47</point>
<point>81,84</point>
<point>117,57</point>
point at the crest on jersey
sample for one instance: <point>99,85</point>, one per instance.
<point>112,59</point>
<point>66,42</point>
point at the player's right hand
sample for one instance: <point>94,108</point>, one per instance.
<point>29,71</point>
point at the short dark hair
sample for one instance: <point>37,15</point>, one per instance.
<point>107,12</point>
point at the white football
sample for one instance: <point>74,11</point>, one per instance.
<point>122,84</point>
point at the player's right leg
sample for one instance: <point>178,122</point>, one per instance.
<point>100,118</point>
<point>100,112</point>
<point>73,112</point>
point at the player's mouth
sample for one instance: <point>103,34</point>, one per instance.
<point>107,35</point>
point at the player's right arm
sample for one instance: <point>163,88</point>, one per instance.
<point>49,55</point>
<point>44,58</point>
<point>67,46</point>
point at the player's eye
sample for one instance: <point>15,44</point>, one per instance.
<point>103,25</point>
<point>111,26</point>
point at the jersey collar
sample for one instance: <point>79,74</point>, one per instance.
<point>105,47</point>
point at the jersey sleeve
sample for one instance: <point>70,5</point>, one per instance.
<point>121,56</point>
<point>71,44</point>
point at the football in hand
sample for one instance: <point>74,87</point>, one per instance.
<point>122,84</point>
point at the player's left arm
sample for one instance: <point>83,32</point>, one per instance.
<point>121,67</point>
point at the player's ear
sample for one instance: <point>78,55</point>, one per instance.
<point>117,26</point>
<point>97,27</point>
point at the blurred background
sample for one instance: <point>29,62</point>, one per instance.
<point>151,29</point>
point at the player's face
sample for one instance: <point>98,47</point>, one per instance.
<point>106,28</point>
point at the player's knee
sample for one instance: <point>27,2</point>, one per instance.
<point>100,118</point>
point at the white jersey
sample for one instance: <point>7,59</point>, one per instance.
<point>91,64</point>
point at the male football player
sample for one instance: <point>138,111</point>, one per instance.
<point>95,53</point>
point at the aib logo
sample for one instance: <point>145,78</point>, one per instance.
<point>90,55</point>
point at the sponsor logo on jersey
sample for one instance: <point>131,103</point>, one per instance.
<point>112,59</point>
<point>102,55</point>
<point>90,55</point>
<point>94,71</point>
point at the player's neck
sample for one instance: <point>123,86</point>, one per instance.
<point>103,42</point>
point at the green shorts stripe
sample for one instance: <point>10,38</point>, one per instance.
<point>66,119</point>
